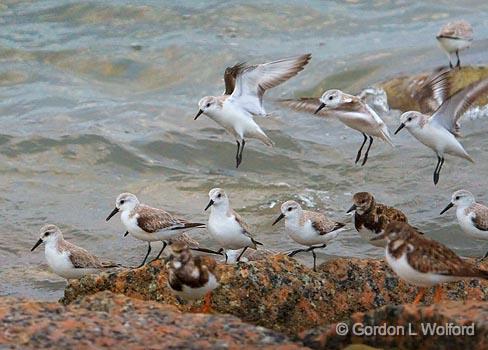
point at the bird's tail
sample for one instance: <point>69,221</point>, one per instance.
<point>261,136</point>
<point>187,225</point>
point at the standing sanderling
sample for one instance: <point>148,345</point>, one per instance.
<point>439,131</point>
<point>66,259</point>
<point>149,224</point>
<point>350,110</point>
<point>226,226</point>
<point>454,37</point>
<point>472,216</point>
<point>243,98</point>
<point>191,277</point>
<point>371,218</point>
<point>424,262</point>
<point>308,228</point>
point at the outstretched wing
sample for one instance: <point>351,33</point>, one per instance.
<point>307,104</point>
<point>252,81</point>
<point>454,107</point>
<point>230,76</point>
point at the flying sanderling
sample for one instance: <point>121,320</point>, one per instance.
<point>66,259</point>
<point>471,216</point>
<point>371,218</point>
<point>149,224</point>
<point>440,130</point>
<point>424,262</point>
<point>454,37</point>
<point>243,98</point>
<point>350,110</point>
<point>308,228</point>
<point>226,226</point>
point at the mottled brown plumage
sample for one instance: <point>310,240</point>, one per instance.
<point>480,218</point>
<point>152,219</point>
<point>81,258</point>
<point>230,76</point>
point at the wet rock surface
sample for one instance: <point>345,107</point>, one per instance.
<point>409,328</point>
<point>281,294</point>
<point>106,320</point>
<point>405,93</point>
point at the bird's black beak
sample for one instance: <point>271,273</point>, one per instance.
<point>115,211</point>
<point>399,128</point>
<point>322,105</point>
<point>354,207</point>
<point>278,219</point>
<point>449,206</point>
<point>198,114</point>
<point>209,204</point>
<point>377,238</point>
<point>37,244</point>
<point>126,233</point>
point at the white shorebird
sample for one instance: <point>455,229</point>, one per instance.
<point>243,98</point>
<point>439,131</point>
<point>308,228</point>
<point>454,37</point>
<point>149,224</point>
<point>68,260</point>
<point>191,277</point>
<point>350,110</point>
<point>226,226</point>
<point>422,261</point>
<point>471,216</point>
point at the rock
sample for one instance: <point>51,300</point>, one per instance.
<point>280,293</point>
<point>410,319</point>
<point>106,320</point>
<point>405,93</point>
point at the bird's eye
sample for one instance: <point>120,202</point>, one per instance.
<point>219,195</point>
<point>409,119</point>
<point>331,98</point>
<point>47,234</point>
<point>290,209</point>
<point>457,198</point>
<point>122,201</point>
<point>208,104</point>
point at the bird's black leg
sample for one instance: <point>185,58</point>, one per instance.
<point>160,252</point>
<point>458,64</point>
<point>226,257</point>
<point>295,252</point>
<point>441,163</point>
<point>367,151</point>
<point>361,149</point>
<point>147,254</point>
<point>314,260</point>
<point>242,253</point>
<point>240,153</point>
<point>237,154</point>
<point>450,63</point>
<point>436,174</point>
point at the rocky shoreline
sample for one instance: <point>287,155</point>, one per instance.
<point>272,303</point>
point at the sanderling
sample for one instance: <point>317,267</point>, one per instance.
<point>226,226</point>
<point>308,228</point>
<point>454,37</point>
<point>243,98</point>
<point>351,111</point>
<point>439,131</point>
<point>472,216</point>
<point>149,224</point>
<point>191,277</point>
<point>66,259</point>
<point>371,218</point>
<point>424,262</point>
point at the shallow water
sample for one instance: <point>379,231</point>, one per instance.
<point>97,99</point>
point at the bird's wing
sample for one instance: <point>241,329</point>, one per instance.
<point>480,218</point>
<point>82,259</point>
<point>153,219</point>
<point>321,223</point>
<point>454,107</point>
<point>306,104</point>
<point>230,76</point>
<point>252,81</point>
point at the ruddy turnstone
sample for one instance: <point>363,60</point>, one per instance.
<point>350,110</point>
<point>226,226</point>
<point>191,277</point>
<point>371,218</point>
<point>422,261</point>
<point>66,259</point>
<point>440,130</point>
<point>454,37</point>
<point>472,216</point>
<point>149,224</point>
<point>243,98</point>
<point>308,228</point>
